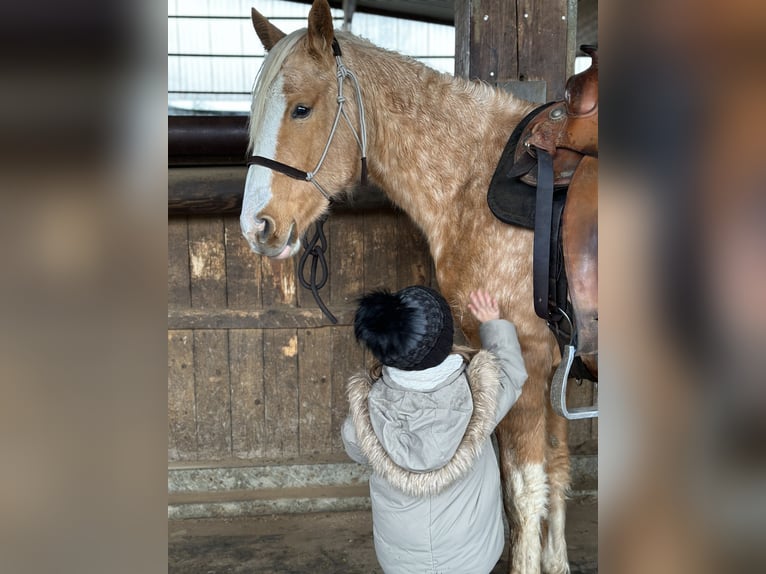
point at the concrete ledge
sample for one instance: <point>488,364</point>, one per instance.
<point>228,492</point>
<point>265,507</point>
<point>230,504</point>
<point>266,476</point>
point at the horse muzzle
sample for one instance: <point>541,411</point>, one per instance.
<point>264,240</point>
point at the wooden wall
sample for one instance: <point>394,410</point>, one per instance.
<point>255,371</point>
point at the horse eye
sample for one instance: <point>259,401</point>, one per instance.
<point>300,112</point>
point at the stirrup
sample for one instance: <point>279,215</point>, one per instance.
<point>559,390</point>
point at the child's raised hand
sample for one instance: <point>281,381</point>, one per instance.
<point>483,306</point>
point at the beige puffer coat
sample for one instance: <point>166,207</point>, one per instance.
<point>435,484</point>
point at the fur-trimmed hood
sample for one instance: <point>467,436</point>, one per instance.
<point>482,374</point>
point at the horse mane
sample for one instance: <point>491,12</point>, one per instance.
<point>266,76</point>
<point>480,91</point>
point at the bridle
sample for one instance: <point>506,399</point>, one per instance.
<point>318,244</point>
<point>361,137</point>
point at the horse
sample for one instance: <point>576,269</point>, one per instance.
<point>335,104</point>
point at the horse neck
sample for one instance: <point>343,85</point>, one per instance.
<point>433,139</point>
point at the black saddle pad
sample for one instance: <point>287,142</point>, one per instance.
<point>510,199</point>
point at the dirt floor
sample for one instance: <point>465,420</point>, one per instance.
<point>332,542</point>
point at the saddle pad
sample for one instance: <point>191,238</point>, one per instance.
<point>510,199</point>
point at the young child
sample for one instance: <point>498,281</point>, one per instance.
<point>423,422</point>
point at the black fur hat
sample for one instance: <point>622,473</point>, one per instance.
<point>411,329</point>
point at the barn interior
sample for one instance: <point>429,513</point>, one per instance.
<point>258,480</point>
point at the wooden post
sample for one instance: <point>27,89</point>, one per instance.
<point>525,46</point>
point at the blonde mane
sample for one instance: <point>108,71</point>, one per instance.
<point>266,76</point>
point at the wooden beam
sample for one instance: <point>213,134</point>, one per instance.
<point>207,140</point>
<point>205,190</point>
<point>218,191</point>
<point>284,317</point>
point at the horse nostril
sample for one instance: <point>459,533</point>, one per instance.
<point>250,226</point>
<point>266,228</point>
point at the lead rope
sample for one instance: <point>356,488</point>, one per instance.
<point>316,249</point>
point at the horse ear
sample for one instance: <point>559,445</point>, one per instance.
<point>321,32</point>
<point>267,32</point>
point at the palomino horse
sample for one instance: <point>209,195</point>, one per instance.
<point>433,142</point>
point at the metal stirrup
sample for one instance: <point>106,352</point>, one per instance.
<point>559,390</point>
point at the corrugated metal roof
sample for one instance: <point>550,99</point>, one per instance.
<point>443,12</point>
<point>436,11</point>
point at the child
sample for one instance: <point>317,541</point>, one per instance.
<point>423,422</point>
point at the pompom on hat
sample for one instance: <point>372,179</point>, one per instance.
<point>411,329</point>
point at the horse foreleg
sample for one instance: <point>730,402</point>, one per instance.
<point>521,439</point>
<point>558,470</point>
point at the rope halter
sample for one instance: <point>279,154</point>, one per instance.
<point>360,136</point>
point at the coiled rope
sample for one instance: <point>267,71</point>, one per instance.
<point>315,249</point>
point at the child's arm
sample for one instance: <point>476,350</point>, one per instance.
<point>499,336</point>
<point>348,434</point>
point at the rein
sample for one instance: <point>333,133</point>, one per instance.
<point>318,245</point>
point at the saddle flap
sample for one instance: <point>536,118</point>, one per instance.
<point>579,236</point>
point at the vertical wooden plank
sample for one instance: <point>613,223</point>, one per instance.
<point>243,269</point>
<point>278,281</point>
<point>315,368</point>
<point>413,256</point>
<point>347,266</point>
<point>248,425</point>
<point>207,257</point>
<point>579,395</point>
<point>462,10</point>
<point>594,421</point>
<point>485,40</point>
<point>380,250</point>
<point>280,383</point>
<point>348,358</point>
<point>542,37</point>
<point>182,435</point>
<point>179,294</point>
<point>213,394</point>
<point>514,43</point>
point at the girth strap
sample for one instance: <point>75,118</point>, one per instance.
<point>543,223</point>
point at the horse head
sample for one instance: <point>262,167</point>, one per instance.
<point>301,156</point>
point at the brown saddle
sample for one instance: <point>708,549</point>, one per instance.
<point>567,130</point>
<point>556,153</point>
<point>569,133</point>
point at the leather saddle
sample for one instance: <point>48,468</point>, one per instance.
<point>567,130</point>
<point>547,180</point>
